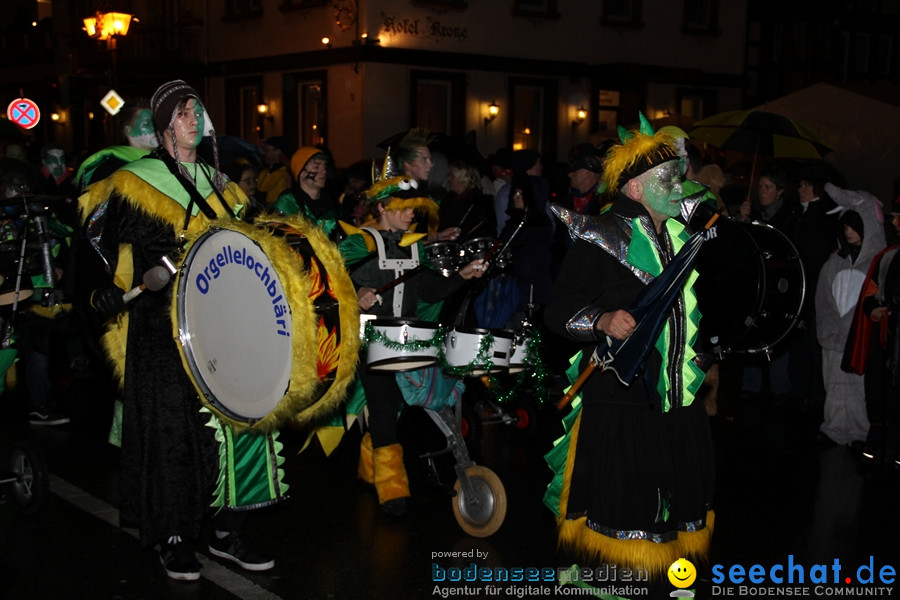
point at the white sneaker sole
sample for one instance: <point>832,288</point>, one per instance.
<point>179,576</point>
<point>248,566</point>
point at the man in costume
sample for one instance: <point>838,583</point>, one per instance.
<point>308,195</point>
<point>392,203</point>
<point>634,473</point>
<point>178,459</point>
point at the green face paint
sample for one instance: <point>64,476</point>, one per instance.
<point>55,161</point>
<point>663,190</point>
<point>189,125</point>
<point>140,133</point>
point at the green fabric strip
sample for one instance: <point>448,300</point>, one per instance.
<point>156,174</point>
<point>557,457</point>
<point>249,468</point>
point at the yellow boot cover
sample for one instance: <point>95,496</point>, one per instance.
<point>391,481</point>
<point>366,469</point>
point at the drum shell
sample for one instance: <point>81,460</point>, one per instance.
<point>380,357</point>
<point>750,288</point>
<point>463,344</point>
<point>518,355</point>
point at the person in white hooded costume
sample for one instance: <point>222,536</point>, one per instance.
<point>837,293</point>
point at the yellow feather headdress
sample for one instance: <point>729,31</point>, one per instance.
<point>640,151</point>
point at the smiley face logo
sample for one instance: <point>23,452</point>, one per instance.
<point>682,573</point>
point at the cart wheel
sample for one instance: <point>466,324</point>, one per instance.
<point>485,515</point>
<point>470,427</point>
<point>32,478</point>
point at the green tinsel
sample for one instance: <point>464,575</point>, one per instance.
<point>535,374</point>
<point>482,358</point>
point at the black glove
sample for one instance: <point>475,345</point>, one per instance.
<point>108,301</point>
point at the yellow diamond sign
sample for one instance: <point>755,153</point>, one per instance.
<point>112,102</point>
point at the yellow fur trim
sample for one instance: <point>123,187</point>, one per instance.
<point>593,547</point>
<point>391,481</point>
<point>303,402</point>
<point>656,558</point>
<point>366,469</point>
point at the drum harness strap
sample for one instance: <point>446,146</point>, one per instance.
<point>399,265</point>
<point>191,189</point>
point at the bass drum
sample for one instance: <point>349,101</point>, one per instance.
<point>750,288</point>
<point>266,319</point>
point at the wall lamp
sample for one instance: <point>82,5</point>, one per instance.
<point>493,111</point>
<point>326,41</point>
<point>264,112</point>
<point>580,116</point>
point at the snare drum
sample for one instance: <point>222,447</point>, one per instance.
<point>750,287</point>
<point>250,299</point>
<point>518,354</point>
<point>381,357</point>
<point>445,257</point>
<point>464,346</point>
<point>480,248</point>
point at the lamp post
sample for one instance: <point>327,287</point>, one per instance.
<point>107,27</point>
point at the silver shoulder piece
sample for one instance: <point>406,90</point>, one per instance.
<point>609,231</point>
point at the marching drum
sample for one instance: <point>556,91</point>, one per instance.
<point>480,248</point>
<point>445,257</point>
<point>381,357</point>
<point>266,320</point>
<point>750,288</point>
<point>518,354</point>
<point>463,347</point>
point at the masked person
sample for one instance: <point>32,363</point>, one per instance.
<point>136,130</point>
<point>177,458</point>
<point>634,473</point>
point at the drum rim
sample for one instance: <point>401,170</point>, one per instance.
<point>187,348</point>
<point>400,321</point>
<point>501,333</point>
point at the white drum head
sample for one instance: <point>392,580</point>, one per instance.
<point>234,325</point>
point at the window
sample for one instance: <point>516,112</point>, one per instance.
<point>881,58</point>
<point>696,103</point>
<point>241,9</point>
<point>533,125</point>
<point>305,108</point>
<point>438,101</point>
<point>535,8</point>
<point>622,13</point>
<point>312,114</point>
<point>242,95</point>
<point>701,17</point>
<point>608,111</point>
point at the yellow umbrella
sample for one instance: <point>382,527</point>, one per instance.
<point>760,132</point>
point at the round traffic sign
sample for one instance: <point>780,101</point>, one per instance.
<point>23,112</point>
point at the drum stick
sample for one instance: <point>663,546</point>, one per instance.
<point>465,215</point>
<point>574,389</point>
<point>154,280</point>
<point>398,280</point>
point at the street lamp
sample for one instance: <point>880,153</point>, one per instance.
<point>107,26</point>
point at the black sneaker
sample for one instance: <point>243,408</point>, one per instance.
<point>235,548</point>
<point>179,561</point>
<point>45,416</point>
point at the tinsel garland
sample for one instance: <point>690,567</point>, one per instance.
<point>535,375</point>
<point>482,358</point>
